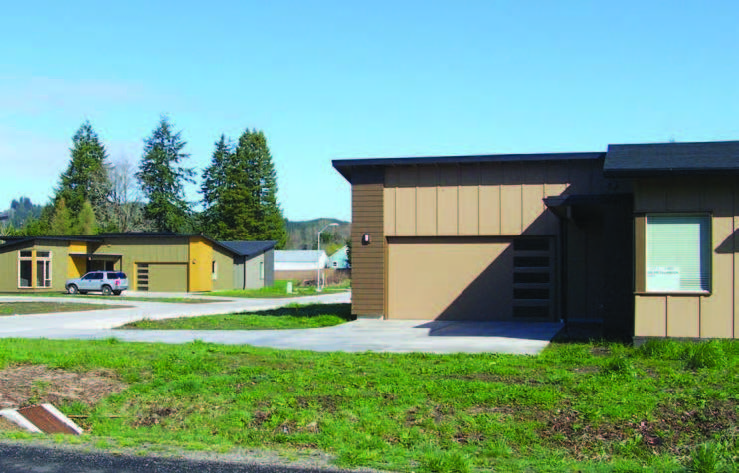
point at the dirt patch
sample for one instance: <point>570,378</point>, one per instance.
<point>31,384</point>
<point>671,427</point>
<point>7,426</point>
<point>325,403</point>
<point>155,416</point>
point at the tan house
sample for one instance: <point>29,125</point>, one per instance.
<point>156,262</point>
<point>639,238</point>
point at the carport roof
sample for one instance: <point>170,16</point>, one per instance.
<point>248,248</point>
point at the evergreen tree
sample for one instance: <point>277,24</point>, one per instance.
<point>163,178</point>
<point>85,223</point>
<point>240,191</point>
<point>213,184</point>
<point>61,220</point>
<point>86,177</point>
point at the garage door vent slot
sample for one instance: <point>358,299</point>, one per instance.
<point>533,278</point>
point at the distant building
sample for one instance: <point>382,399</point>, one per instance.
<point>299,264</point>
<point>339,259</point>
<point>155,262</point>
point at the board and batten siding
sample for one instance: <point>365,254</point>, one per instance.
<point>135,250</point>
<point>713,315</point>
<point>486,199</point>
<point>368,261</point>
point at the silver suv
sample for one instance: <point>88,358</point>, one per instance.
<point>107,282</point>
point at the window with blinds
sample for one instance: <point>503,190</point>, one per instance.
<point>678,253</point>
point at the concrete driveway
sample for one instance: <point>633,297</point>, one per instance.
<point>399,336</point>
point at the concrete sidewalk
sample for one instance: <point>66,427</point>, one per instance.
<point>398,336</point>
<point>47,325</point>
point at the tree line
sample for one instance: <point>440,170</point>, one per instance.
<point>238,188</point>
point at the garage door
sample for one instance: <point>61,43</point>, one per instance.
<point>457,278</point>
<point>160,277</point>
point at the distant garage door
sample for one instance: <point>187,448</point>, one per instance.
<point>464,278</point>
<point>161,277</point>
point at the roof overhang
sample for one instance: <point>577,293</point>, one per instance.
<point>345,166</point>
<point>98,256</point>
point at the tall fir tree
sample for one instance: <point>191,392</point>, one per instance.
<point>86,177</point>
<point>213,184</point>
<point>240,191</point>
<point>163,179</point>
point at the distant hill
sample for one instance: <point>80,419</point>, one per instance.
<point>20,212</point>
<point>302,235</point>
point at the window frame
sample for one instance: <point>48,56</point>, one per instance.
<point>644,267</point>
<point>34,258</point>
<point>22,259</point>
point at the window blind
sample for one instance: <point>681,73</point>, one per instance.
<point>678,253</point>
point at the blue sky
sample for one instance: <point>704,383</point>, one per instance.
<point>327,80</point>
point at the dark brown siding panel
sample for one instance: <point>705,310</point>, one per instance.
<point>368,261</point>
<point>640,252</point>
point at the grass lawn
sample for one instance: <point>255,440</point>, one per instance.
<point>294,316</point>
<point>280,290</point>
<point>667,406</point>
<point>25,308</point>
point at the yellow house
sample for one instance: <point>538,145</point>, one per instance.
<point>156,262</point>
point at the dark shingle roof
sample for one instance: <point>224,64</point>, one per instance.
<point>344,166</point>
<point>248,248</point>
<point>672,159</point>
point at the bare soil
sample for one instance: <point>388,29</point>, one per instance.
<point>32,384</point>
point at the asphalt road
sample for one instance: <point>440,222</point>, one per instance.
<point>32,459</point>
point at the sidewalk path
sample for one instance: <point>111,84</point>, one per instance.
<point>50,325</point>
<point>399,336</point>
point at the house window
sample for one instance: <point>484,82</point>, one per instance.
<point>678,253</point>
<point>335,264</point>
<point>25,268</point>
<point>214,270</point>
<point>43,269</point>
<point>261,270</point>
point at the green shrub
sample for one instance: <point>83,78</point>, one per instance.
<point>619,365</point>
<point>664,349</point>
<point>709,458</point>
<point>703,355</point>
<point>437,461</point>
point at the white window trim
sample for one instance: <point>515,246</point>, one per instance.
<point>705,215</point>
<point>34,259</point>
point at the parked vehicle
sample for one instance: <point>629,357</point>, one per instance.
<point>107,282</point>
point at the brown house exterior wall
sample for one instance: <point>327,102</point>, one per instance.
<point>504,199</point>
<point>368,261</point>
<point>713,315</point>
<point>485,198</point>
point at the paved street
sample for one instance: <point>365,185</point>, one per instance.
<point>33,459</point>
<point>398,336</point>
